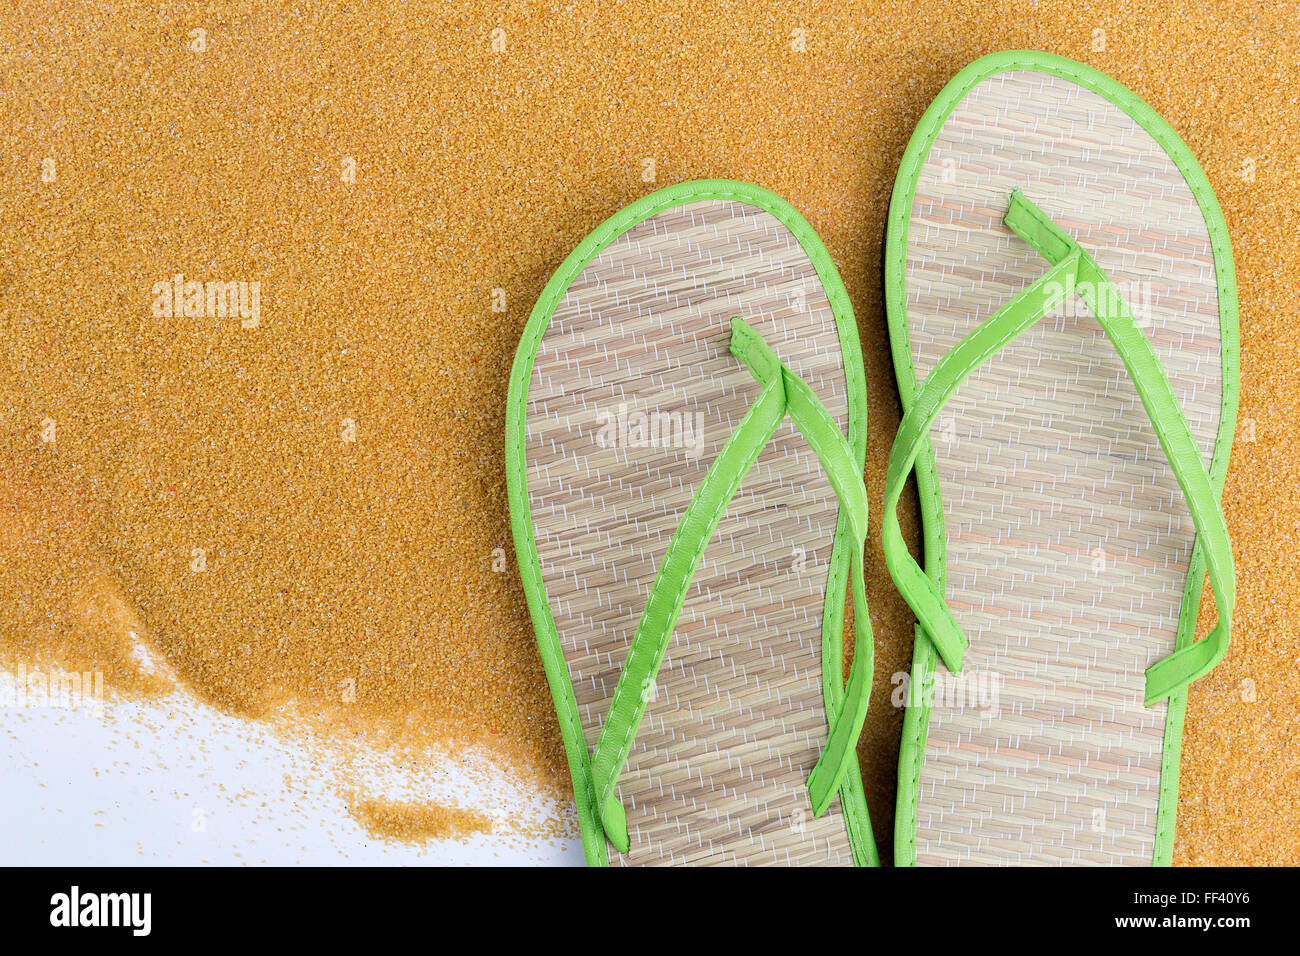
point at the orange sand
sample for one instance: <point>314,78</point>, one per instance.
<point>419,822</point>
<point>358,575</point>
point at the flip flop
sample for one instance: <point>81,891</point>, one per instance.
<point>1063,318</point>
<point>687,513</point>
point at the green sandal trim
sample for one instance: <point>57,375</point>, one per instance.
<point>917,716</point>
<point>852,795</point>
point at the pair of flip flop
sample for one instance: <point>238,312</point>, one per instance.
<point>685,445</point>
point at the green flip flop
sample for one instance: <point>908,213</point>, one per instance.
<point>1063,317</point>
<point>687,513</point>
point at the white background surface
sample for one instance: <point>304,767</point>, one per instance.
<point>173,781</point>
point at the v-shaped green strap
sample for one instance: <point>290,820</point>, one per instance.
<point>1073,270</point>
<point>783,393</point>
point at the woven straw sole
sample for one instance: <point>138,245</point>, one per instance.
<point>1066,539</point>
<point>631,395</point>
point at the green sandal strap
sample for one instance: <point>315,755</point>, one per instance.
<point>1173,673</point>
<point>955,367</point>
<point>845,475</point>
<point>1073,270</point>
<point>782,392</point>
<point>667,595</point>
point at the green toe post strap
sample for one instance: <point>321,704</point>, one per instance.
<point>783,393</point>
<point>1073,270</point>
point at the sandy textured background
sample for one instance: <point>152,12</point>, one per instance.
<point>372,561</point>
